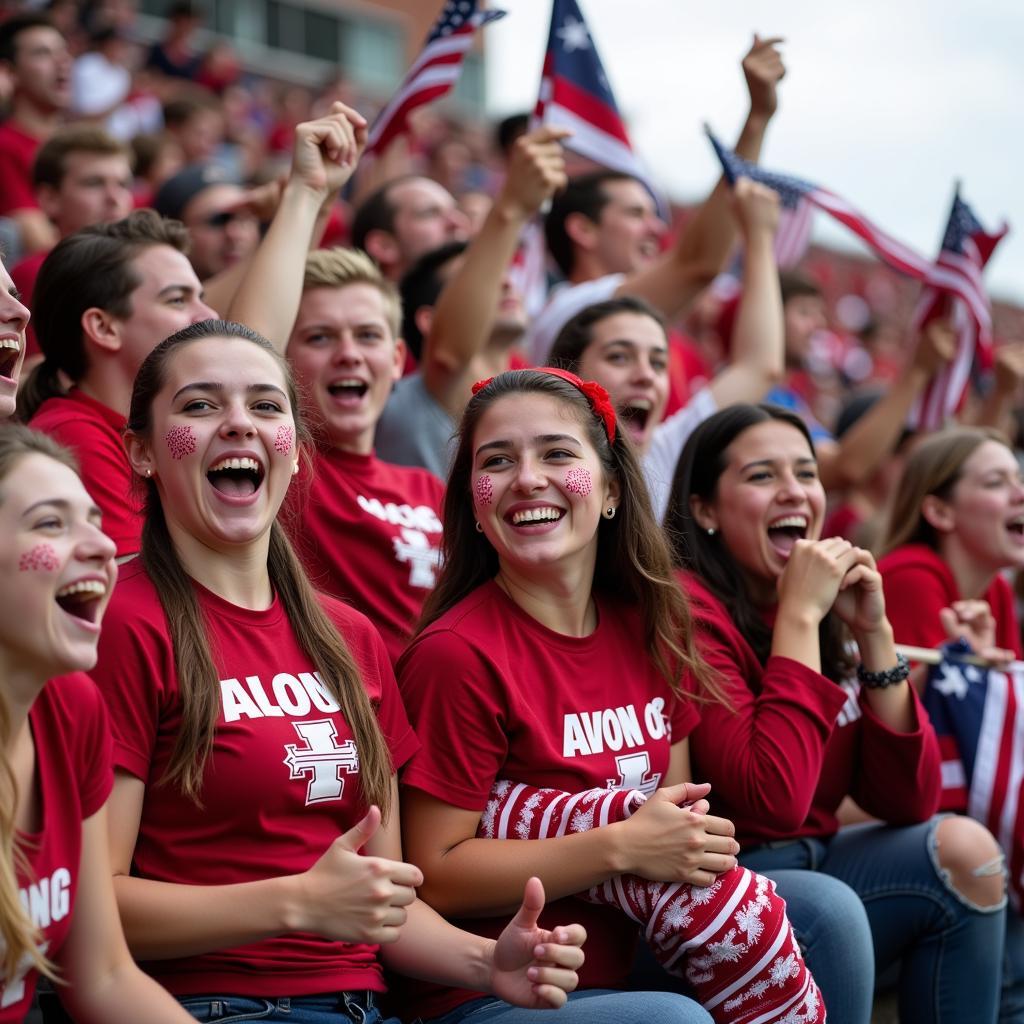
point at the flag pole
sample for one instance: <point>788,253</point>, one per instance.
<point>933,656</point>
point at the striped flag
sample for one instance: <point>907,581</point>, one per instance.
<point>966,248</point>
<point>978,715</point>
<point>435,71</point>
<point>575,94</point>
<point>899,256</point>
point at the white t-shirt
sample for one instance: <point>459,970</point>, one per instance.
<point>565,301</point>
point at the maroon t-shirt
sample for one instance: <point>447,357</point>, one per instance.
<point>281,784</point>
<point>17,152</point>
<point>72,740</point>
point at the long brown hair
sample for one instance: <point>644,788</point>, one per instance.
<point>934,467</point>
<point>198,679</point>
<point>18,935</point>
<point>633,562</point>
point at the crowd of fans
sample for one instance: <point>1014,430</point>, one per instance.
<point>468,513</point>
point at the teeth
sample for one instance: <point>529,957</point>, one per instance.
<point>798,521</point>
<point>536,515</point>
<point>641,403</point>
<point>11,343</point>
<point>348,382</point>
<point>83,587</point>
<point>235,464</point>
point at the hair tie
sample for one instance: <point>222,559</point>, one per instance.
<point>594,393</point>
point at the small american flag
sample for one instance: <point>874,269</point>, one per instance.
<point>899,256</point>
<point>966,248</point>
<point>435,71</point>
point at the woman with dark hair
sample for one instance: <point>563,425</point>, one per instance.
<point>957,521</point>
<point>810,724</point>
<point>257,730</point>
<point>552,653</point>
<point>58,917</point>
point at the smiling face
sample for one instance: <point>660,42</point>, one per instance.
<point>628,354</point>
<point>629,230</point>
<point>767,498</point>
<point>346,360</point>
<point>14,318</point>
<point>984,515</point>
<point>57,566</point>
<point>537,484</point>
<point>216,446</point>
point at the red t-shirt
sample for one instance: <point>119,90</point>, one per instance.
<point>919,584</point>
<point>281,783</point>
<point>368,532</point>
<point>93,432</point>
<point>795,743</point>
<point>17,152</point>
<point>493,695</point>
<point>24,275</point>
<point>72,739</point>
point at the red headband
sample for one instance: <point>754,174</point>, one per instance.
<point>594,393</point>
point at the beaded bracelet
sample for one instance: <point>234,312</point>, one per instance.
<point>888,677</point>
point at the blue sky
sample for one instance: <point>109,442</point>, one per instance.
<point>886,104</point>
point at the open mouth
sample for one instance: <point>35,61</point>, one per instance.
<point>533,516</point>
<point>784,533</point>
<point>1016,526</point>
<point>348,388</point>
<point>10,349</point>
<point>82,600</point>
<point>236,477</point>
<point>635,414</point>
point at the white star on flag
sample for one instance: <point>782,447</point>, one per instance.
<point>574,35</point>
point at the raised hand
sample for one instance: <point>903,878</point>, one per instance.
<point>666,842</point>
<point>532,966</point>
<point>763,70</point>
<point>756,208</point>
<point>1009,367</point>
<point>327,149</point>
<point>536,171</point>
<point>351,898</point>
<point>973,621</point>
<point>860,602</point>
<point>813,575</point>
<point>936,346</point>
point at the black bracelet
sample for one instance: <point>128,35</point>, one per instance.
<point>888,677</point>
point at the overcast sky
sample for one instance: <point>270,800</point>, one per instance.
<point>885,103</point>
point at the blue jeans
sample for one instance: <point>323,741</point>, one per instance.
<point>592,1006</point>
<point>333,1008</point>
<point>950,951</point>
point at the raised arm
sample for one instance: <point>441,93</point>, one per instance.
<point>703,246</point>
<point>996,410</point>
<point>467,306</point>
<point>325,156</point>
<point>758,340</point>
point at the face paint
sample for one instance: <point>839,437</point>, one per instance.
<point>41,558</point>
<point>284,440</point>
<point>181,441</point>
<point>484,490</point>
<point>579,481</point>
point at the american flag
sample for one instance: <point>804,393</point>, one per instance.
<point>966,248</point>
<point>575,94</point>
<point>435,71</point>
<point>978,715</point>
<point>899,256</point>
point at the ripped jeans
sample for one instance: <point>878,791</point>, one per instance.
<point>950,951</point>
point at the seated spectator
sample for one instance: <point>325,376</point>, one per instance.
<point>404,219</point>
<point>81,176</point>
<point>774,609</point>
<point>176,55</point>
<point>461,303</point>
<point>301,926</point>
<point>57,910</point>
<point>36,57</point>
<point>14,319</point>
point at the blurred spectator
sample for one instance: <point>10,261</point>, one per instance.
<point>100,79</point>
<point>196,120</point>
<point>175,55</point>
<point>36,57</point>
<point>222,230</point>
<point>158,156</point>
<point>220,69</point>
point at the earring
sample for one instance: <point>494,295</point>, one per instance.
<point>609,512</point>
<point>479,528</point>
<point>711,531</point>
<point>149,473</point>
<point>295,467</point>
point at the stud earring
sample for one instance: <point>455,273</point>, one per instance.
<point>711,531</point>
<point>479,528</point>
<point>609,512</point>
<point>149,473</point>
<point>295,467</point>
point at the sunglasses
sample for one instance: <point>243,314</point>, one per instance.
<point>225,217</point>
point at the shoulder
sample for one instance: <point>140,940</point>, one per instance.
<point>413,481</point>
<point>134,603</point>
<point>361,636</point>
<point>914,562</point>
<point>462,633</point>
<point>72,701</point>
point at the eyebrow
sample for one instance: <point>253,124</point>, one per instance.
<point>539,439</point>
<point>63,505</point>
<point>205,385</point>
<point>629,343</point>
<point>804,460</point>
<point>175,288</point>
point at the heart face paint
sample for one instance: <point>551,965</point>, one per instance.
<point>284,440</point>
<point>579,481</point>
<point>181,441</point>
<point>41,558</point>
<point>484,490</point>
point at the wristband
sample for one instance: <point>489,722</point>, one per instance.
<point>887,677</point>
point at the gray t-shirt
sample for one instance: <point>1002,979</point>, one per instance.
<point>415,430</point>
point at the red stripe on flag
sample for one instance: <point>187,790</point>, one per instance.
<point>570,96</point>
